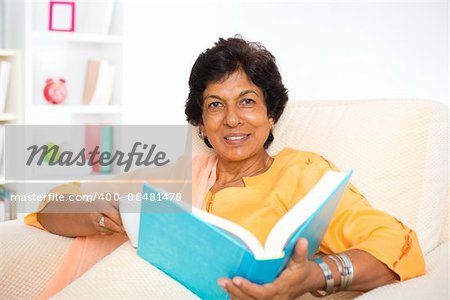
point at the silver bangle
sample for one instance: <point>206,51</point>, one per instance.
<point>328,279</point>
<point>339,266</point>
<point>347,270</point>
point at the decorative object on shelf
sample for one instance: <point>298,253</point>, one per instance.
<point>55,91</point>
<point>62,16</point>
<point>53,152</point>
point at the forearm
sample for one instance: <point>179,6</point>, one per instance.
<point>81,218</point>
<point>64,218</point>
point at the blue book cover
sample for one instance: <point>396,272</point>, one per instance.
<point>197,248</point>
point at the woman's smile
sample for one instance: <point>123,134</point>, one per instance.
<point>237,138</point>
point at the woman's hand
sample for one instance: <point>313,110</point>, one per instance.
<point>71,218</point>
<point>299,277</point>
<point>105,219</point>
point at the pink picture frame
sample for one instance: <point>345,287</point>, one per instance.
<point>62,16</point>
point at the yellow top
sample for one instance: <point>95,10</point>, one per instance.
<point>355,224</point>
<point>268,196</point>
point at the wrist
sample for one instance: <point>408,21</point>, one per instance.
<point>316,279</point>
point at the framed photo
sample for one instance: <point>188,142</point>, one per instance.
<point>62,16</point>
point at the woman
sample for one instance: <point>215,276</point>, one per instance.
<point>236,96</point>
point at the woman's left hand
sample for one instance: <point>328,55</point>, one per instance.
<point>299,277</point>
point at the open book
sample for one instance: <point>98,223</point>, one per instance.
<point>197,248</point>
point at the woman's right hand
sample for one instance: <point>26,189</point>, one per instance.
<point>73,218</point>
<point>106,217</point>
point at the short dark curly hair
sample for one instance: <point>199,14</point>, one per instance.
<point>226,57</point>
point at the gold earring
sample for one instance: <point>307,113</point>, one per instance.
<point>201,134</point>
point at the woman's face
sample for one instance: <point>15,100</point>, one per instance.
<point>235,118</point>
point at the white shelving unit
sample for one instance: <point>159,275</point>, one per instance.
<point>77,37</point>
<point>52,55</point>
<point>78,109</point>
<point>55,55</point>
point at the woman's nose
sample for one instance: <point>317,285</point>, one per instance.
<point>232,117</point>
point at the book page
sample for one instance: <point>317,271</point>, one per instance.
<point>232,229</point>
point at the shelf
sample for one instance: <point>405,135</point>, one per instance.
<point>78,109</point>
<point>63,178</point>
<point>77,37</point>
<point>6,117</point>
<point>7,52</point>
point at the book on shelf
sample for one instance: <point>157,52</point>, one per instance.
<point>99,136</point>
<point>93,136</point>
<point>197,248</point>
<point>99,82</point>
<point>106,140</point>
<point>91,80</point>
<point>5,70</point>
<point>7,208</point>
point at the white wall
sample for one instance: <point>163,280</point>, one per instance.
<point>325,49</point>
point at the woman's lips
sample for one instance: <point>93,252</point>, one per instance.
<point>236,138</point>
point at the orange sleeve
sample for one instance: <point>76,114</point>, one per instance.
<point>357,225</point>
<point>68,188</point>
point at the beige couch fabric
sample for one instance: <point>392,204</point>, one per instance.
<point>28,259</point>
<point>124,275</point>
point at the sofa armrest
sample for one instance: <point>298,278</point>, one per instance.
<point>29,258</point>
<point>433,285</point>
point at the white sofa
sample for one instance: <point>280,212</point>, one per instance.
<point>398,149</point>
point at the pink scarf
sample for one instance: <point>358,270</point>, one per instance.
<point>85,252</point>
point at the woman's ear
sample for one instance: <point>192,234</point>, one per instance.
<point>271,122</point>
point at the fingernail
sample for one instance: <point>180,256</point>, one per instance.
<point>223,285</point>
<point>237,281</point>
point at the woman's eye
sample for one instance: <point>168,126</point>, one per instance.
<point>215,104</point>
<point>247,101</point>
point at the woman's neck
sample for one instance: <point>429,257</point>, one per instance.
<point>231,173</point>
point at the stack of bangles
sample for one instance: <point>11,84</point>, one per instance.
<point>345,267</point>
